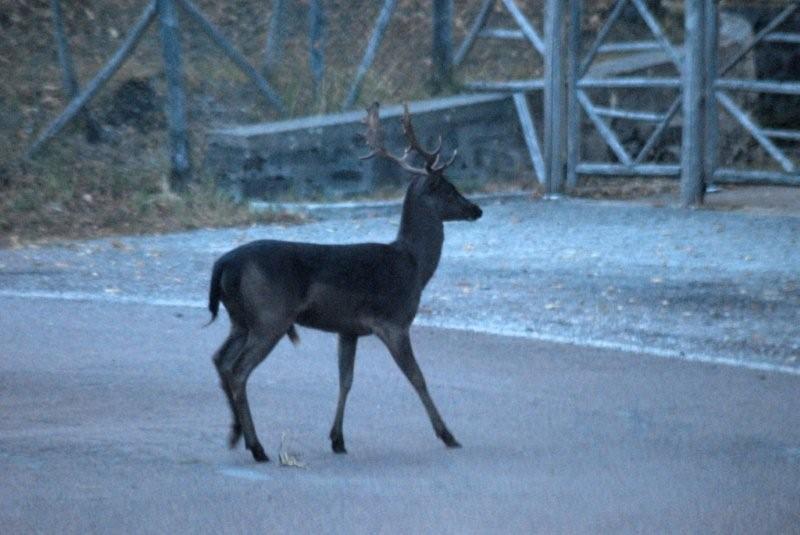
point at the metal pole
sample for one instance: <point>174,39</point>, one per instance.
<point>711,126</point>
<point>529,132</point>
<point>68,78</point>
<point>472,34</point>
<point>527,28</point>
<point>369,55</point>
<point>442,52</point>
<point>181,171</point>
<point>554,97</point>
<point>692,75</point>
<point>573,109</point>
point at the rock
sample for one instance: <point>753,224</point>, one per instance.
<point>318,157</point>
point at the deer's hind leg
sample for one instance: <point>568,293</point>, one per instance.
<point>224,360</point>
<point>258,345</point>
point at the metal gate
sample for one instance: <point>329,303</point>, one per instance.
<point>698,91</point>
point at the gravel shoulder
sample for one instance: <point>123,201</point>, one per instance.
<point>709,285</point>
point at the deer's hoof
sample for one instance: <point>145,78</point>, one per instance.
<point>337,444</point>
<point>234,436</point>
<point>258,454</point>
<point>449,440</point>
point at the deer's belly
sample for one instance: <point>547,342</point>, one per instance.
<point>324,322</point>
<point>330,310</point>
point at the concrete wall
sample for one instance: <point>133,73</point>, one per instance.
<point>317,157</point>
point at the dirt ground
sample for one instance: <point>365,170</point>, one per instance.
<point>781,200</point>
<point>776,200</point>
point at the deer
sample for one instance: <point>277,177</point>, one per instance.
<point>354,290</point>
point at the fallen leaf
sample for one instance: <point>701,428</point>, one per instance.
<point>287,459</point>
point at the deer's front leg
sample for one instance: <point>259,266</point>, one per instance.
<point>347,357</point>
<point>399,344</point>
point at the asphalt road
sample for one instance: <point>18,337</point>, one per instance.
<point>112,422</point>
<point>111,419</point>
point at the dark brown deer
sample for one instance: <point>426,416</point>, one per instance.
<point>354,290</point>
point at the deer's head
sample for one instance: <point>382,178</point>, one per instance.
<point>433,189</point>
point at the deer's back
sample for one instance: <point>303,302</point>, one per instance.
<point>330,287</point>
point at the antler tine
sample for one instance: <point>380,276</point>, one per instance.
<point>432,158</point>
<point>413,143</point>
<point>374,138</point>
<point>440,168</point>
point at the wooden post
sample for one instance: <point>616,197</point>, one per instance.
<point>554,97</point>
<point>442,53</point>
<point>181,171</point>
<point>693,87</point>
<point>68,78</point>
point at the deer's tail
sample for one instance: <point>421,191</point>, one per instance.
<point>293,336</point>
<point>215,291</point>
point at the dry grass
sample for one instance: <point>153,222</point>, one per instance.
<point>79,190</point>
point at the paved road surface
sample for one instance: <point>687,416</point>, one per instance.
<point>111,419</point>
<point>112,423</point>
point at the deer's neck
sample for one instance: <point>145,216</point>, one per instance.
<point>422,233</point>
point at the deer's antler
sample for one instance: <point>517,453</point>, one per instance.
<point>433,162</point>
<point>375,140</point>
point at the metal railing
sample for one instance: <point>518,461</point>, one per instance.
<point>702,88</point>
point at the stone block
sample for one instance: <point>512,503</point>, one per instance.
<point>318,157</point>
